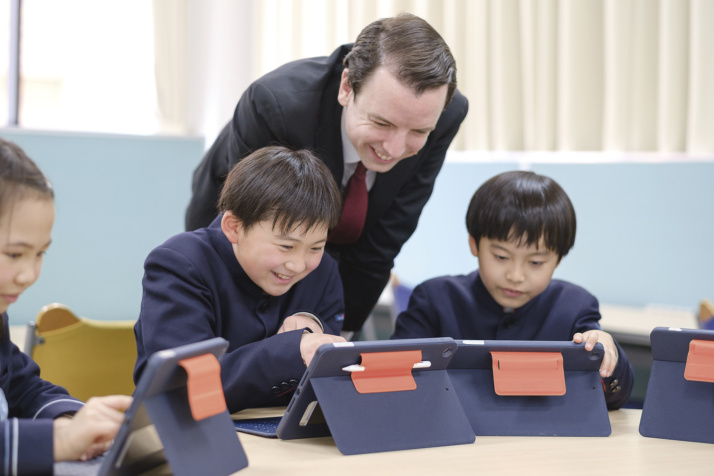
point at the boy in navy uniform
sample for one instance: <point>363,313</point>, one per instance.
<point>256,277</point>
<point>520,226</point>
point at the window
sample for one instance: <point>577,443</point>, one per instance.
<point>84,65</point>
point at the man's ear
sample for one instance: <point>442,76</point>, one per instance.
<point>232,227</point>
<point>473,245</point>
<point>343,95</point>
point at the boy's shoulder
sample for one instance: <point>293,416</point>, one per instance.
<point>561,285</point>
<point>450,282</point>
<point>202,247</point>
<point>562,289</point>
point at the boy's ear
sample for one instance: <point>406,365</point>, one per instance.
<point>231,226</point>
<point>473,245</point>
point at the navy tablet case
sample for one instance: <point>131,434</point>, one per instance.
<point>390,405</point>
<point>546,388</point>
<point>679,403</point>
<point>164,423</point>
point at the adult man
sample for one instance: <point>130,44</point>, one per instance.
<point>388,102</point>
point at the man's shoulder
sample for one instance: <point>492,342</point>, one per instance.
<point>303,75</point>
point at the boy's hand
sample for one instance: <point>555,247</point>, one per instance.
<point>298,321</point>
<point>609,360</point>
<point>310,342</point>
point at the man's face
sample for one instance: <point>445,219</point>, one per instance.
<point>387,122</point>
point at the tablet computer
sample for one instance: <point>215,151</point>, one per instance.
<point>679,403</point>
<point>530,388</point>
<point>160,413</point>
<point>370,399</point>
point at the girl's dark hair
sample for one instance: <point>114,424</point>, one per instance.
<point>289,187</point>
<point>19,177</point>
<point>523,206</point>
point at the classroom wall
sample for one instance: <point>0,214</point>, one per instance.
<point>645,233</point>
<point>644,229</point>
<point>117,197</point>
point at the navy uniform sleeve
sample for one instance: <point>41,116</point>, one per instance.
<point>618,386</point>
<point>26,447</point>
<point>29,396</point>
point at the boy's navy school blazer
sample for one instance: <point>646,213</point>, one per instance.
<point>26,425</point>
<point>462,308</point>
<point>194,289</point>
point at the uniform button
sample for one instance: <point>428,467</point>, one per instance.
<point>285,386</point>
<point>275,389</point>
<point>614,383</point>
<point>293,382</point>
<point>616,389</point>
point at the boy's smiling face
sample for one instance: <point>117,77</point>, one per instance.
<point>273,260</point>
<point>514,274</point>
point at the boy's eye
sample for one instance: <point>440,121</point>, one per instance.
<point>317,249</point>
<point>536,263</point>
<point>12,255</point>
<point>500,257</point>
<point>286,247</point>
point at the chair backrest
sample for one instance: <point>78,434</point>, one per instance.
<point>87,357</point>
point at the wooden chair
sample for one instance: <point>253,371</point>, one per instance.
<point>87,357</point>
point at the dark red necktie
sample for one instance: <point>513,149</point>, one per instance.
<point>354,209</point>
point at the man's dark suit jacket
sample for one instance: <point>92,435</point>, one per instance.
<point>296,106</point>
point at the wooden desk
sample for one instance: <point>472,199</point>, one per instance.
<point>624,452</point>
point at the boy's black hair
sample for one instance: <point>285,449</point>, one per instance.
<point>523,207</point>
<point>289,187</point>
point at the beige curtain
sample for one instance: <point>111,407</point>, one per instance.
<point>540,75</point>
<point>204,60</point>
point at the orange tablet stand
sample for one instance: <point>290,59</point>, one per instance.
<point>528,373</point>
<point>205,391</point>
<point>386,371</point>
<point>700,361</point>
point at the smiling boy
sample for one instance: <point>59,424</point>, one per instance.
<point>257,276</point>
<point>387,103</point>
<point>520,226</point>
